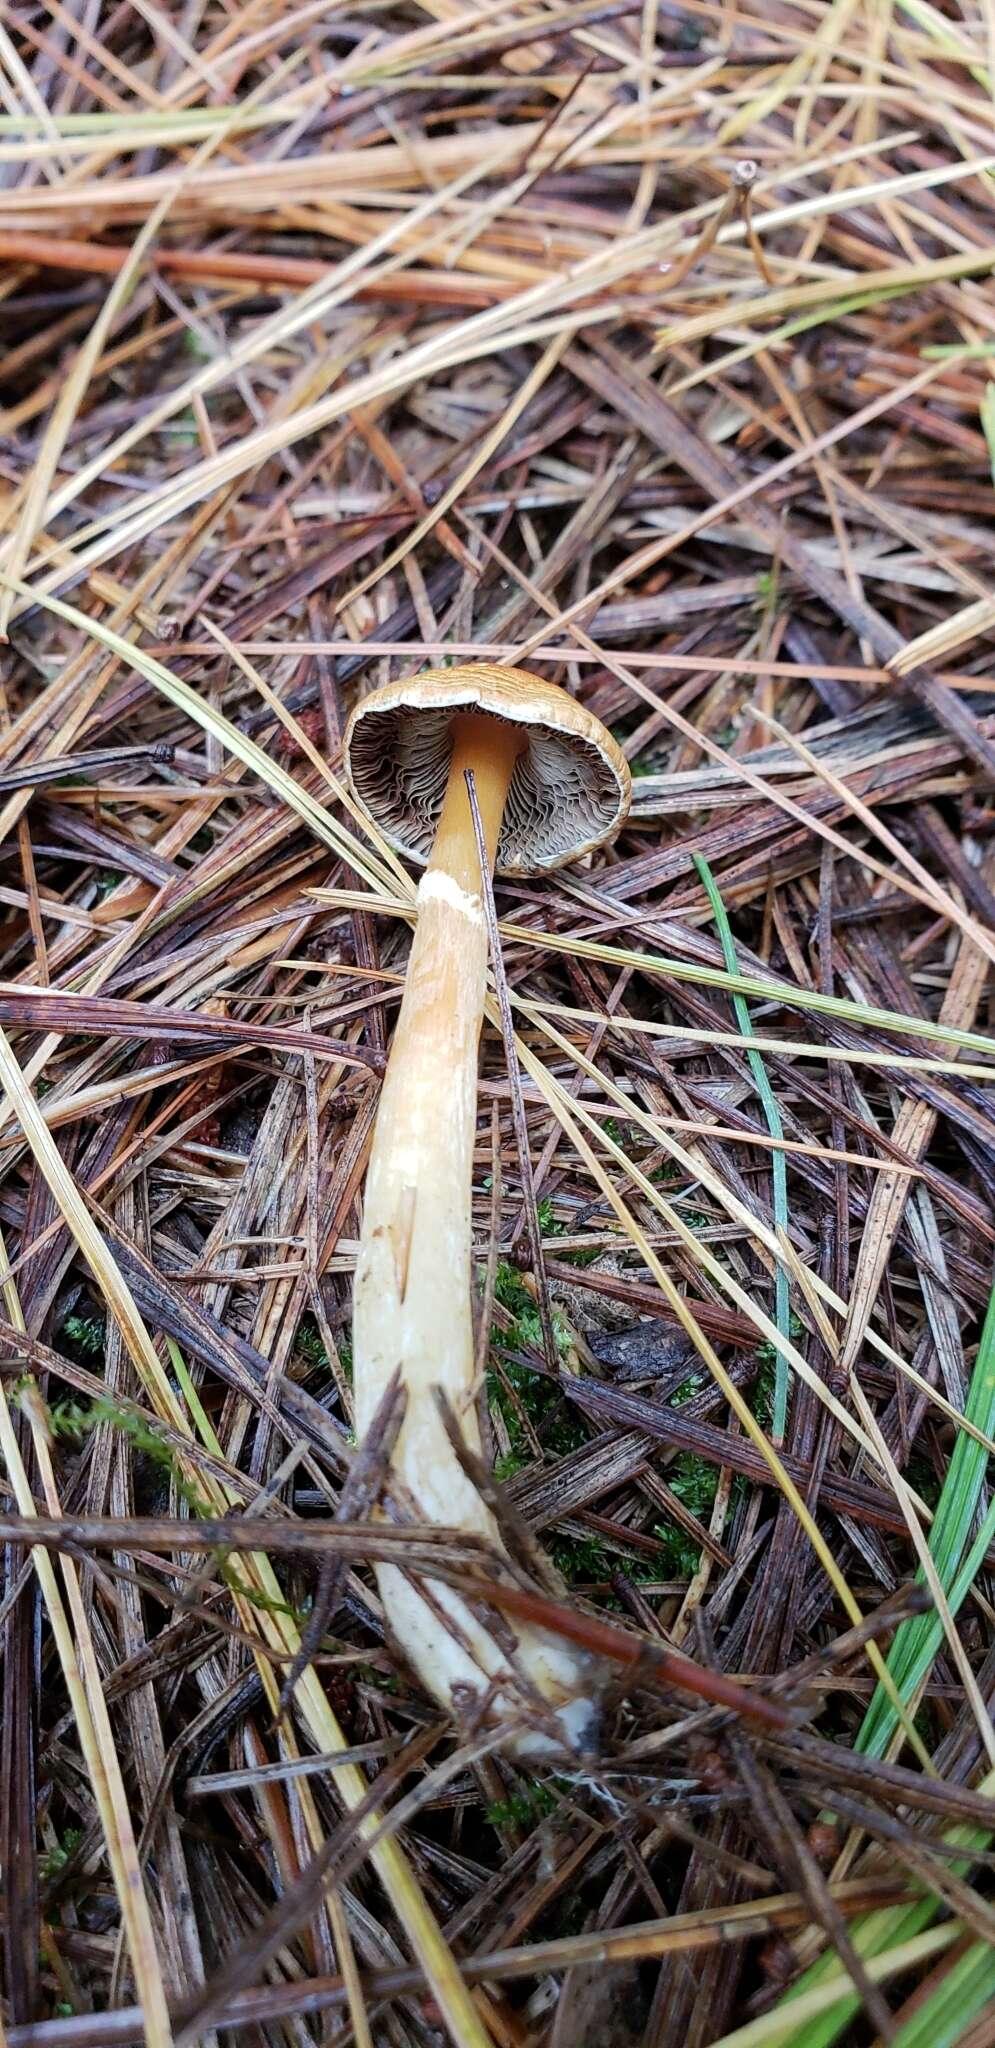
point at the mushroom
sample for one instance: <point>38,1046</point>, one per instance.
<point>550,785</point>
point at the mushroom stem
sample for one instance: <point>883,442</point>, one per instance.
<point>413,1278</point>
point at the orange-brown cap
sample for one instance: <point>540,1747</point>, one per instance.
<point>570,789</point>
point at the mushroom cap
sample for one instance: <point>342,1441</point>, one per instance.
<point>570,789</point>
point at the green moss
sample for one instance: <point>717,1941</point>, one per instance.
<point>516,1390</point>
<point>580,1258</point>
<point>695,1484</point>
<point>506,1467</point>
<point>581,1558</point>
<point>687,1389</point>
<point>680,1554</point>
<point>72,1422</point>
<point>587,1560</point>
<point>767,1351</point>
<point>530,1802</point>
<point>768,595</point>
<point>87,1333</point>
<point>310,1352</point>
<point>695,1219</point>
<point>549,1224</point>
<point>382,1681</point>
<point>922,1477</point>
<point>106,882</point>
<point>537,1398</point>
<point>56,1858</point>
<point>266,1602</point>
<point>69,1419</point>
<point>526,1325</point>
<point>510,1290</point>
<point>924,1723</point>
<point>761,1396</point>
<point>308,1345</point>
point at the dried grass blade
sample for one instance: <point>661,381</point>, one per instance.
<point>571,1115</point>
<point>97,1741</point>
<point>396,1873</point>
<point>779,1178</point>
<point>314,815</point>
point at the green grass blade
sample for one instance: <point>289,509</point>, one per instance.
<point>918,1640</point>
<point>972,1981</point>
<point>962,1993</point>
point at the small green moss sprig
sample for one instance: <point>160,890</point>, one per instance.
<point>56,1858</point>
<point>530,1802</point>
<point>310,1352</point>
<point>71,1422</point>
<point>535,1396</point>
<point>87,1333</point>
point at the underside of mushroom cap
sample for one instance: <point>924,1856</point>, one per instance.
<point>570,788</point>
